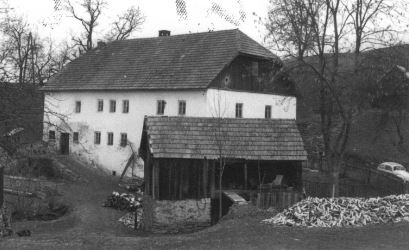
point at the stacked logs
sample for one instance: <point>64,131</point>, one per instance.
<point>342,212</point>
<point>124,201</point>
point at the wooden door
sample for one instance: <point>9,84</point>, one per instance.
<point>65,143</point>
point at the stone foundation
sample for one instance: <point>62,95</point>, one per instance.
<point>167,216</point>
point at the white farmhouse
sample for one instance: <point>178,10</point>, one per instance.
<point>96,106</point>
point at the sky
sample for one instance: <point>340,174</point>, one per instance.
<point>202,15</point>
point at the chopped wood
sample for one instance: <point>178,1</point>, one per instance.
<point>343,212</point>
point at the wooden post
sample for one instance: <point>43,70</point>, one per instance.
<point>245,175</point>
<point>155,179</point>
<point>212,179</point>
<point>205,175</point>
<point>1,187</point>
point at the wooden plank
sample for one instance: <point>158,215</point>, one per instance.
<point>130,161</point>
<point>245,175</point>
<point>205,177</point>
<point>234,197</point>
<point>212,179</point>
<point>155,179</point>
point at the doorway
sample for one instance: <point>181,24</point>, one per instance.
<point>65,143</point>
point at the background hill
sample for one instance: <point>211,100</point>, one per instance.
<point>374,137</point>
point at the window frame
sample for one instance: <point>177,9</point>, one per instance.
<point>110,138</point>
<point>160,107</point>
<point>49,135</point>
<point>239,110</point>
<point>267,115</point>
<point>77,106</point>
<point>182,107</point>
<point>112,106</point>
<point>125,106</point>
<point>76,137</point>
<point>100,105</point>
<point>123,143</point>
<point>97,135</point>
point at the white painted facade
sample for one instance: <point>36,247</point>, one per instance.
<point>199,103</point>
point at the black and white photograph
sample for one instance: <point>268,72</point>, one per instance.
<point>204,124</point>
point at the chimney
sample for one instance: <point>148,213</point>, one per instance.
<point>101,44</point>
<point>164,32</point>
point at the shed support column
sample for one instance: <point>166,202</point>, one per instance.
<point>245,175</point>
<point>155,179</point>
<point>212,179</point>
<point>205,176</point>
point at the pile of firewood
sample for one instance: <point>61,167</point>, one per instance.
<point>341,212</point>
<point>123,201</point>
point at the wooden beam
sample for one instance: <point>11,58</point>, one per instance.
<point>245,175</point>
<point>155,179</point>
<point>205,176</point>
<point>212,179</point>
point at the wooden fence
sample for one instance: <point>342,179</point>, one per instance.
<point>278,199</point>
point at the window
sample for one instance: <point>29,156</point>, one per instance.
<point>97,137</point>
<point>51,135</point>
<point>239,110</point>
<point>161,107</point>
<point>78,107</point>
<point>125,106</point>
<point>267,112</point>
<point>110,138</point>
<point>124,139</point>
<point>112,106</point>
<point>182,107</point>
<point>100,105</point>
<point>75,138</point>
<point>388,168</point>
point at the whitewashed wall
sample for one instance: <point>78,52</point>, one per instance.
<point>222,103</point>
<point>142,103</point>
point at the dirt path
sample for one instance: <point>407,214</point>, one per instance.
<point>91,226</point>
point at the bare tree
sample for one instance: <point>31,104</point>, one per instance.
<point>126,24</point>
<point>89,22</point>
<point>330,23</point>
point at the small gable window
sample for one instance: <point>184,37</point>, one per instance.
<point>78,107</point>
<point>161,107</point>
<point>125,106</point>
<point>267,112</point>
<point>239,110</point>
<point>112,106</point>
<point>182,107</point>
<point>100,105</point>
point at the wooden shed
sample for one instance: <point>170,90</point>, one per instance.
<point>182,161</point>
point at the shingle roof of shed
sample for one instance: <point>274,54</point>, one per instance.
<point>171,62</point>
<point>196,138</point>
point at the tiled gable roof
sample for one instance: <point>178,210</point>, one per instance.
<point>196,138</point>
<point>187,61</point>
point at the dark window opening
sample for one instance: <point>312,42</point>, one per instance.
<point>124,139</point>
<point>110,138</point>
<point>125,106</point>
<point>51,135</point>
<point>112,106</point>
<point>78,107</point>
<point>75,137</point>
<point>182,107</point>
<point>239,110</point>
<point>100,105</point>
<point>267,112</point>
<point>161,107</point>
<point>97,138</point>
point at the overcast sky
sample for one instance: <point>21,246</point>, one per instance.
<point>160,14</point>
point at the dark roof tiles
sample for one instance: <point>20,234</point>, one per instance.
<point>189,61</point>
<point>196,138</point>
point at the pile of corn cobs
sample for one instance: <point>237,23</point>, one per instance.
<point>123,201</point>
<point>341,212</point>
